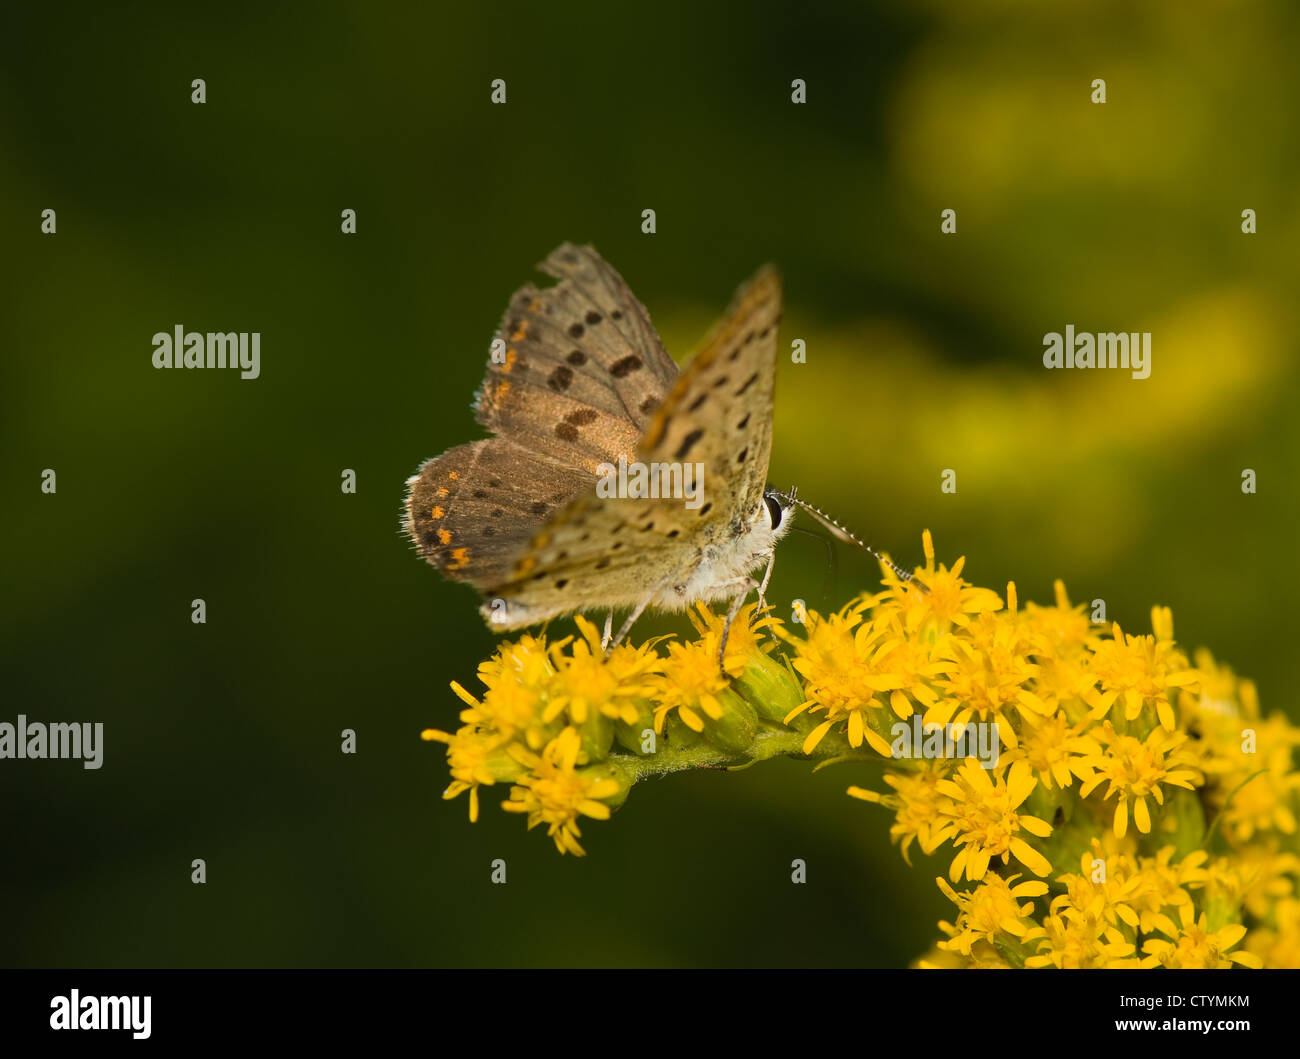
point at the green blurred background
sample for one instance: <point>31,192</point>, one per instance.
<point>924,353</point>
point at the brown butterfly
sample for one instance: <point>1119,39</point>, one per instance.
<point>582,381</point>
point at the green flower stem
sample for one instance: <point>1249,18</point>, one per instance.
<point>768,742</point>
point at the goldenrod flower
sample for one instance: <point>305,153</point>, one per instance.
<point>917,804</point>
<point>1277,943</point>
<point>1072,939</point>
<point>476,759</point>
<point>986,679</point>
<point>691,685</point>
<point>982,820</point>
<point>555,793</point>
<point>587,682</point>
<point>1136,768</point>
<point>1196,946</point>
<point>1256,790</point>
<point>946,602</point>
<point>1093,726</point>
<point>845,663</point>
<point>991,910</point>
<point>744,644</point>
<point>1057,750</point>
<point>1140,670</point>
<point>1060,631</point>
<point>1103,888</point>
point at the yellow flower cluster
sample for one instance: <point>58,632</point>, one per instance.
<point>1101,799</point>
<point>572,728</point>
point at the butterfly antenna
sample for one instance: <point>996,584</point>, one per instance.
<point>838,531</point>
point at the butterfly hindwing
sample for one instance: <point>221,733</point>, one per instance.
<point>473,509</point>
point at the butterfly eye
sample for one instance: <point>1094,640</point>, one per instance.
<point>773,510</point>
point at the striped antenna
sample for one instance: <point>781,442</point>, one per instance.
<point>838,531</point>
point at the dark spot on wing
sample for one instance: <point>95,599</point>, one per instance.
<point>743,453</point>
<point>577,358</point>
<point>622,368</point>
<point>720,382</point>
<point>593,318</point>
<point>561,583</point>
<point>560,378</point>
<point>647,527</point>
<point>479,494</point>
<point>673,533</point>
<point>566,432</point>
<point>706,509</point>
<point>497,513</point>
<point>582,417</point>
<point>617,314</point>
<point>649,404</point>
<point>495,483</point>
<point>748,383</point>
<point>538,508</point>
<point>602,563</point>
<point>576,330</point>
<point>743,423</point>
<point>697,402</point>
<point>688,443</point>
<point>489,531</point>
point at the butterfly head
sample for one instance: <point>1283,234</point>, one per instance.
<point>778,510</point>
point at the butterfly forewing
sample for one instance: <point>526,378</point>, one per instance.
<point>719,412</point>
<point>582,371</point>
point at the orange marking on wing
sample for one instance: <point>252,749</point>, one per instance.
<point>522,332</point>
<point>459,558</point>
<point>444,536</point>
<point>454,476</point>
<point>525,564</point>
<point>439,512</point>
<point>442,491</point>
<point>511,357</point>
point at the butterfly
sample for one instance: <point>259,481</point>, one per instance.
<point>580,381</point>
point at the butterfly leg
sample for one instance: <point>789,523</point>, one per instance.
<point>637,611</point>
<point>745,585</point>
<point>609,630</point>
<point>762,592</point>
